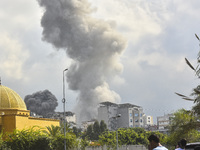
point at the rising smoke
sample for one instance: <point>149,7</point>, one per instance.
<point>92,44</point>
<point>41,103</point>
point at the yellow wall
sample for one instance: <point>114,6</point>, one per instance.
<point>27,122</point>
<point>8,123</point>
<point>17,119</point>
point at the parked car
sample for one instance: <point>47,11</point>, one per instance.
<point>191,146</point>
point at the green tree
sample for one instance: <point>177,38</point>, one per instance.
<point>108,138</point>
<point>2,142</point>
<point>34,139</point>
<point>52,130</point>
<point>67,127</point>
<point>93,131</point>
<point>96,130</point>
<point>76,131</point>
<point>57,143</point>
<point>89,132</point>
<point>196,91</point>
<point>27,139</point>
<point>183,126</point>
<point>129,136</point>
<point>103,126</point>
<point>83,144</point>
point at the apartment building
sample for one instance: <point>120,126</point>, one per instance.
<point>130,115</point>
<point>70,117</point>
<point>107,111</point>
<point>148,120</point>
<point>163,122</point>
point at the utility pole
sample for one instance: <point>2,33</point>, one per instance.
<point>63,100</point>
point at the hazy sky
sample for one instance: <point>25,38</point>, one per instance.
<point>159,35</point>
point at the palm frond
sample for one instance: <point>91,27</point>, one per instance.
<point>189,64</point>
<point>197,91</point>
<point>180,94</point>
<point>197,37</point>
<point>184,97</point>
<point>188,99</point>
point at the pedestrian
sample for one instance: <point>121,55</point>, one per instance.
<point>178,145</point>
<point>155,143</point>
<point>182,144</point>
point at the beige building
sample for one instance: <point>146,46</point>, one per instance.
<point>148,120</point>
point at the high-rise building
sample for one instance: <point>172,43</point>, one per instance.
<point>107,111</point>
<point>130,115</point>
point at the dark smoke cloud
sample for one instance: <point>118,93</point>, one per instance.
<point>94,47</point>
<point>41,103</point>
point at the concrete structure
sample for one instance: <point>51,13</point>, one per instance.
<point>14,114</point>
<point>148,120</point>
<point>123,147</point>
<point>131,115</point>
<point>70,117</point>
<point>85,124</point>
<point>163,122</point>
<point>107,111</point>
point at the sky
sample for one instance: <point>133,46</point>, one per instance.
<point>157,36</point>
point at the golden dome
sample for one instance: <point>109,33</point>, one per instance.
<point>9,99</point>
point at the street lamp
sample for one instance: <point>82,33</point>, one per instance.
<point>63,100</point>
<point>117,116</point>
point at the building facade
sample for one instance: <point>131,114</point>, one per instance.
<point>163,122</point>
<point>70,117</point>
<point>85,124</point>
<point>148,120</point>
<point>107,111</point>
<point>130,115</point>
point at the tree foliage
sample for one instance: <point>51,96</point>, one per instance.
<point>128,136</point>
<point>52,131</point>
<point>196,91</point>
<point>183,125</point>
<point>37,138</point>
<point>27,139</point>
<point>103,126</point>
<point>94,131</point>
<point>76,131</point>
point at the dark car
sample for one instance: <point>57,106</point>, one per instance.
<point>191,146</point>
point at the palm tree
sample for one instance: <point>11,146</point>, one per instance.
<point>52,130</point>
<point>67,127</point>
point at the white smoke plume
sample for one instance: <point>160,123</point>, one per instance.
<point>41,102</point>
<point>93,45</point>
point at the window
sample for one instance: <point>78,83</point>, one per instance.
<point>131,126</point>
<point>131,120</point>
<point>130,114</point>
<point>136,120</point>
<point>140,120</point>
<point>136,115</point>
